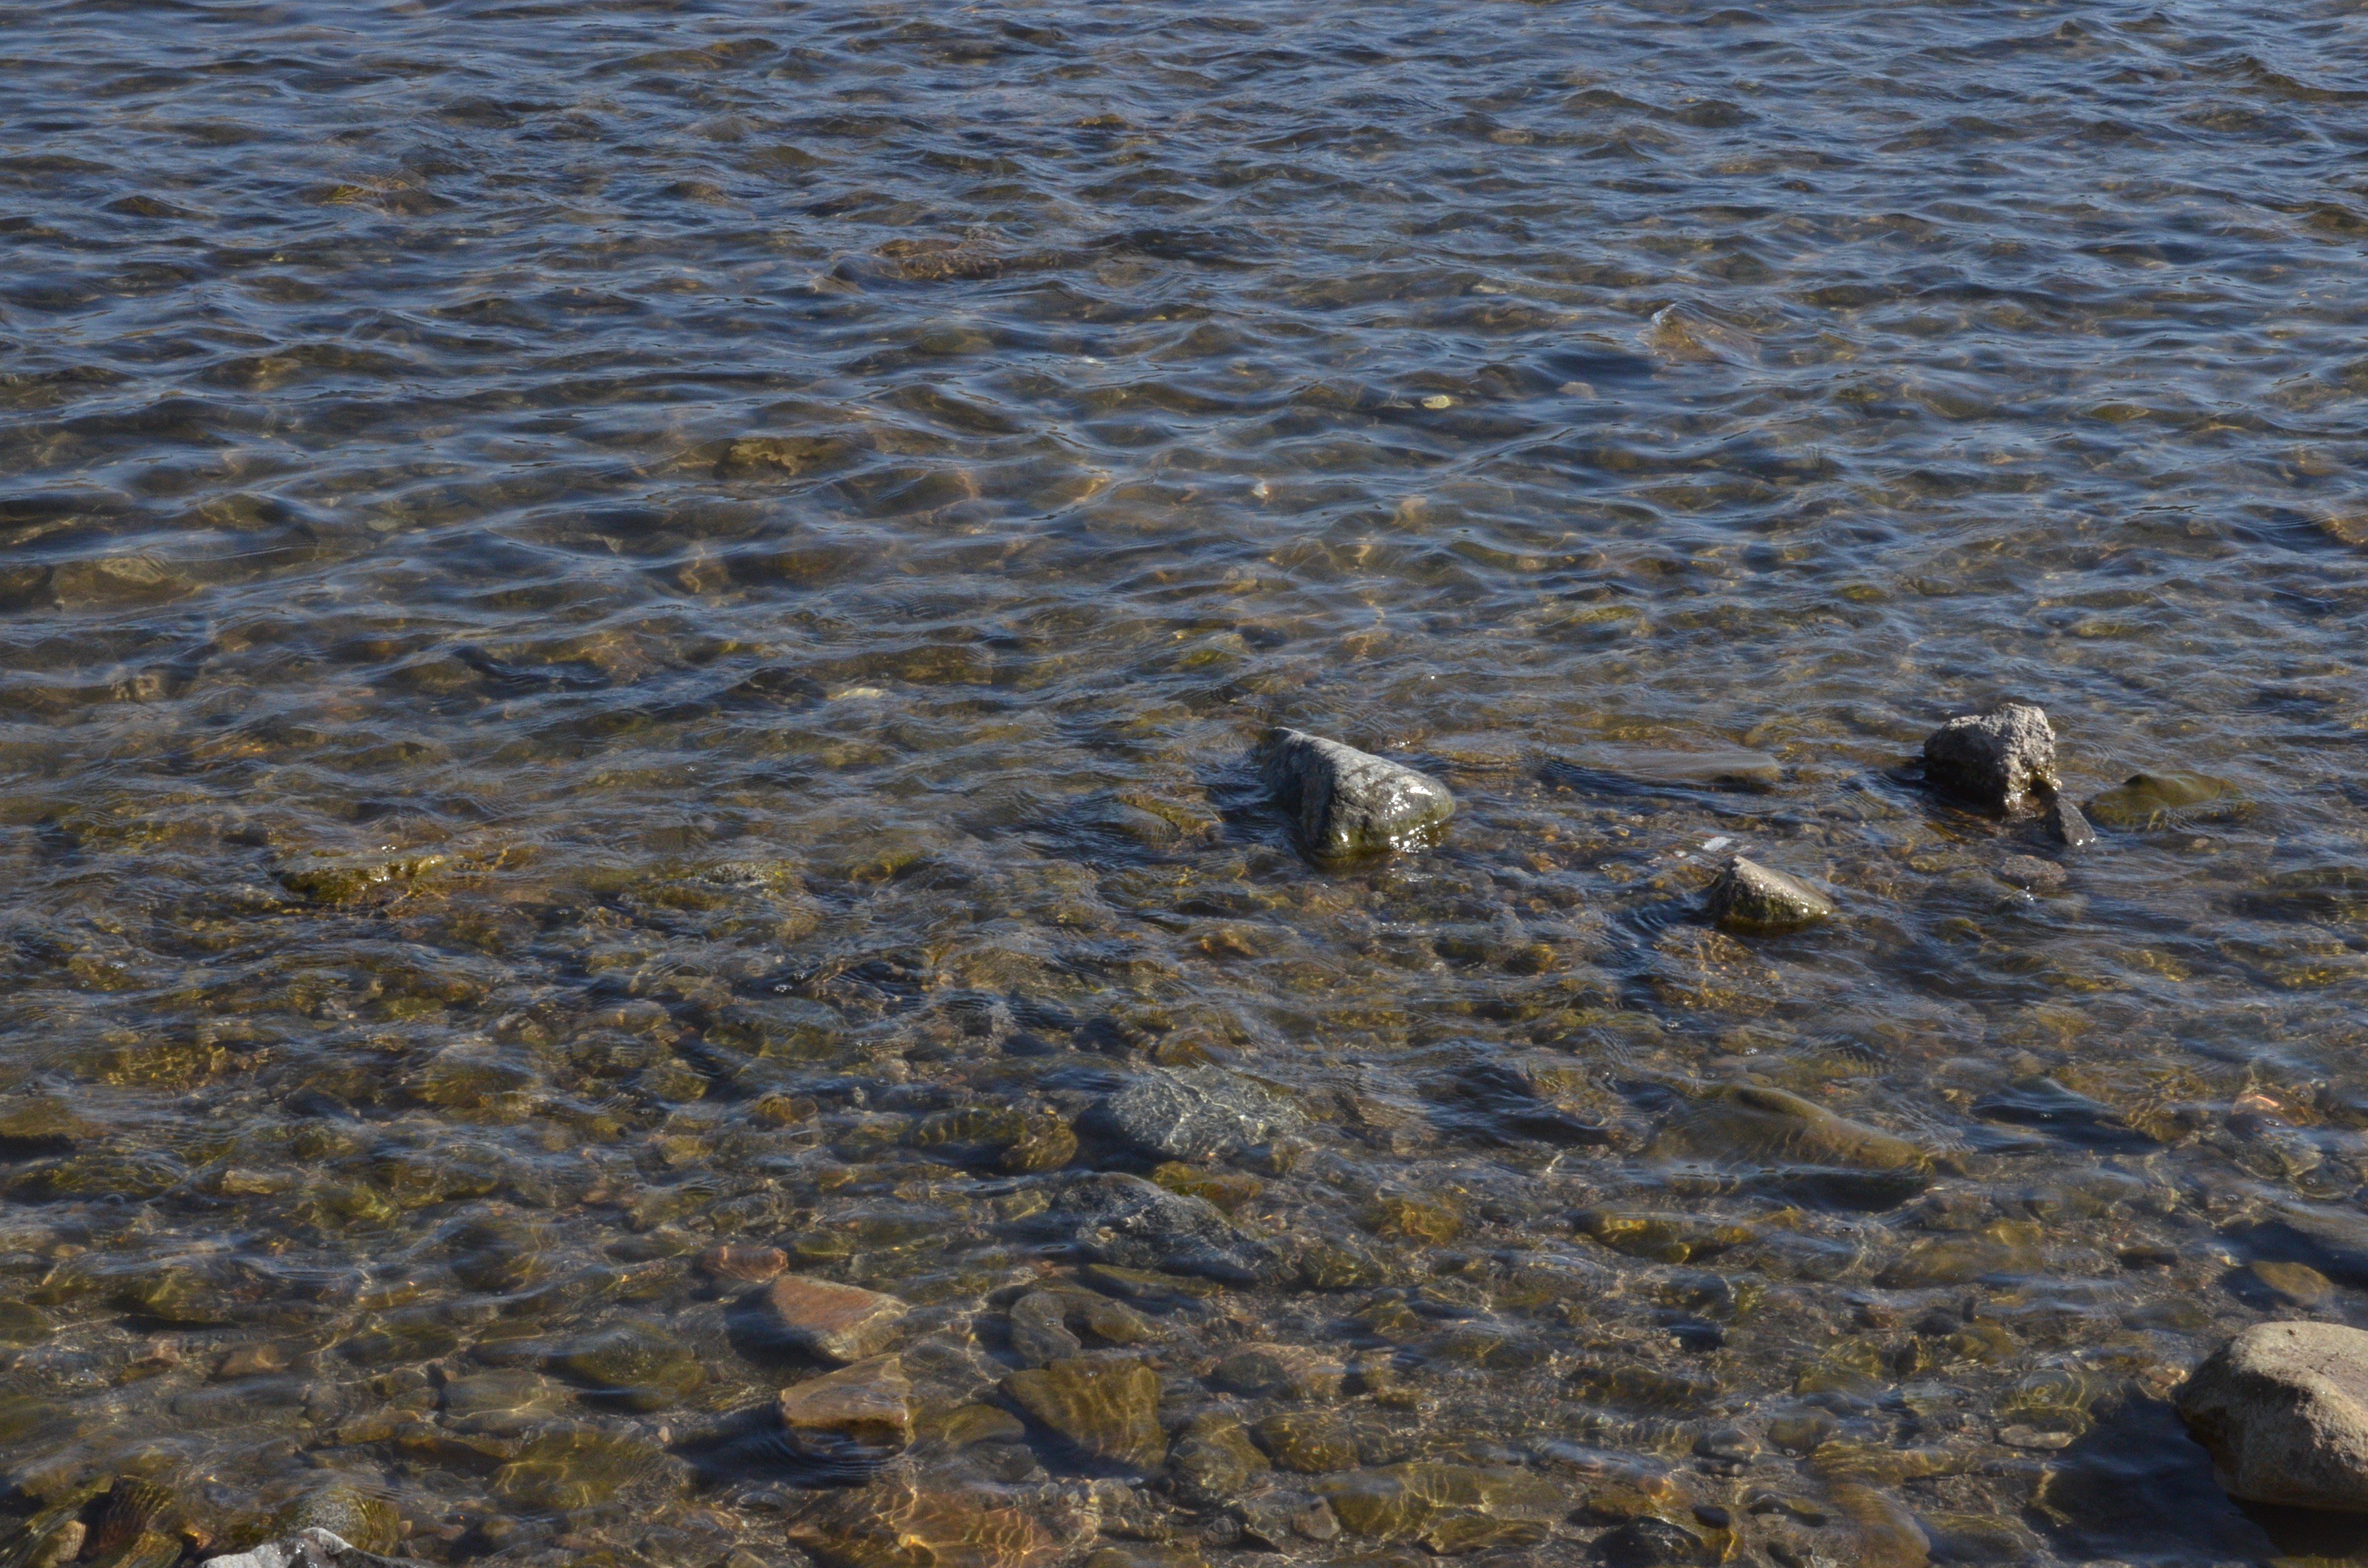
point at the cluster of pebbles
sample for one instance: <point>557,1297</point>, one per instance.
<point>1007,1304</point>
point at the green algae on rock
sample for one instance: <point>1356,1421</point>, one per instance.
<point>1451,1509</point>
<point>911,1523</point>
<point>1793,1145</point>
<point>2147,802</point>
<point>1108,1410</point>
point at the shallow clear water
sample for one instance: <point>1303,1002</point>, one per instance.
<point>607,609</point>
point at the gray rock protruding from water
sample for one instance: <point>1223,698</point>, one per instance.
<point>1748,896</point>
<point>2284,1408</point>
<point>2065,823</point>
<point>1192,1113</point>
<point>2001,760</point>
<point>1349,802</point>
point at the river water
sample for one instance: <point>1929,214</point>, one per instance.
<point>630,628</point>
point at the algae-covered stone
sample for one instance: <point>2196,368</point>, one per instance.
<point>1793,1143</point>
<point>1961,1260</point>
<point>1271,1371</point>
<point>1192,1113</point>
<point>1215,1459</point>
<point>1662,1237</point>
<point>1748,896</point>
<point>1996,759</point>
<point>579,1466</point>
<point>1451,1509</point>
<point>906,1523</point>
<point>2284,1409</point>
<point>1006,1139</point>
<point>2146,802</point>
<point>1348,802</point>
<point>1309,1441</point>
<point>1109,1410</point>
<point>866,1406</point>
<point>33,1128</point>
<point>507,1399</point>
<point>365,1520</point>
<point>1039,1332</point>
<point>1229,1190</point>
<point>346,878</point>
<point>637,1367</point>
<point>838,1322</point>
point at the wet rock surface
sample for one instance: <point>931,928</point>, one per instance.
<point>631,657</point>
<point>2284,1409</point>
<point>834,1321</point>
<point>1346,802</point>
<point>1108,1410</point>
<point>1750,897</point>
<point>2003,759</point>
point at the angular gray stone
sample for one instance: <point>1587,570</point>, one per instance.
<point>1748,896</point>
<point>1346,801</point>
<point>1996,759</point>
<point>1191,1113</point>
<point>2284,1409</point>
<point>2065,823</point>
<point>1134,1223</point>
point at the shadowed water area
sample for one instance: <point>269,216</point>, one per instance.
<point>628,630</point>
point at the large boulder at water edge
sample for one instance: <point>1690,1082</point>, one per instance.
<point>2004,759</point>
<point>1348,802</point>
<point>2284,1408</point>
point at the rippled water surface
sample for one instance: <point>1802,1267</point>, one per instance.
<point>635,627</point>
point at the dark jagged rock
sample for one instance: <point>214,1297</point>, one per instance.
<point>1349,802</point>
<point>2283,1410</point>
<point>1998,759</point>
<point>2065,823</point>
<point>1135,1223</point>
<point>1191,1113</point>
<point>1748,896</point>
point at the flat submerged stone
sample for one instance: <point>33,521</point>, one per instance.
<point>1108,1410</point>
<point>838,1322</point>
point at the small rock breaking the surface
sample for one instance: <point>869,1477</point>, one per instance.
<point>1348,802</point>
<point>2004,759</point>
<point>1748,896</point>
<point>2284,1408</point>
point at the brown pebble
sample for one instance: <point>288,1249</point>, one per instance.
<point>755,1265</point>
<point>2031,871</point>
<point>838,1322</point>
